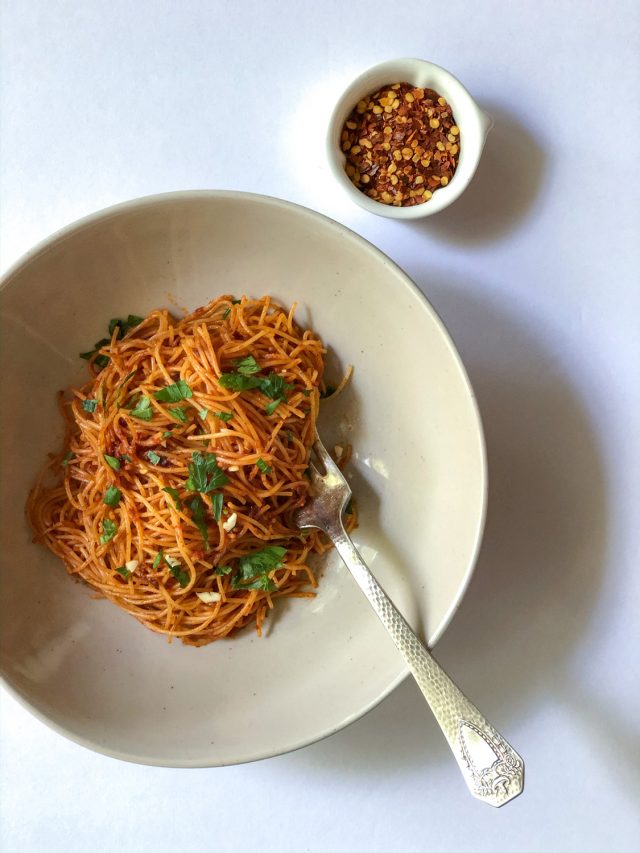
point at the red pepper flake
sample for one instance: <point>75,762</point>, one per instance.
<point>402,144</point>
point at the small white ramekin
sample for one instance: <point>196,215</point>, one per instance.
<point>474,126</point>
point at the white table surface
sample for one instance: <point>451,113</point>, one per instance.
<point>534,271</point>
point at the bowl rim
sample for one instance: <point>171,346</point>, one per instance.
<point>141,202</point>
<point>477,121</point>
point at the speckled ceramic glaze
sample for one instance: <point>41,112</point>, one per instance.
<point>418,471</point>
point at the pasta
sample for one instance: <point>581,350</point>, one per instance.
<point>183,466</point>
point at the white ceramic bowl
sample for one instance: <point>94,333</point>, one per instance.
<point>474,126</point>
<point>94,673</point>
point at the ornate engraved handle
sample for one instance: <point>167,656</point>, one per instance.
<point>492,769</point>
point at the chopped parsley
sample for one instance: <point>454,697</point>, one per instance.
<point>70,455</point>
<point>143,409</point>
<point>153,457</point>
<point>174,393</point>
<point>203,414</point>
<point>226,313</point>
<point>254,569</point>
<point>158,559</point>
<point>167,433</point>
<point>177,571</point>
<point>124,571</point>
<point>224,416</point>
<point>111,460</point>
<point>221,570</point>
<point>272,385</point>
<point>199,516</point>
<point>112,496</point>
<point>217,499</point>
<point>123,326</point>
<point>109,529</point>
<point>204,474</point>
<point>179,414</point>
<point>271,407</point>
<point>99,361</point>
<point>89,405</point>
<point>247,366</point>
<point>238,382</point>
<point>263,466</point>
<point>175,494</point>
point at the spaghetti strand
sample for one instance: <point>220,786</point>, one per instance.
<point>121,506</point>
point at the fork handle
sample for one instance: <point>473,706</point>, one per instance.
<point>492,769</point>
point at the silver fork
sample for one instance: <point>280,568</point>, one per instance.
<point>492,769</point>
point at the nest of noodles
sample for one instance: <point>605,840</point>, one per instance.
<point>175,492</point>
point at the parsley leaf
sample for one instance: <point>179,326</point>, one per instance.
<point>226,313</point>
<point>158,559</point>
<point>177,571</point>
<point>262,582</point>
<point>253,569</point>
<point>153,457</point>
<point>109,529</point>
<point>143,409</point>
<point>199,516</point>
<point>221,570</point>
<point>274,386</point>
<point>124,571</point>
<point>263,466</point>
<point>98,345</point>
<point>70,455</point>
<point>112,496</point>
<point>111,460</point>
<point>123,326</point>
<point>174,393</point>
<point>247,366</point>
<point>175,494</point>
<point>179,414</point>
<point>204,474</point>
<point>224,416</point>
<point>203,414</point>
<point>100,360</point>
<point>89,405</point>
<point>238,382</point>
<point>216,503</point>
<point>167,433</point>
